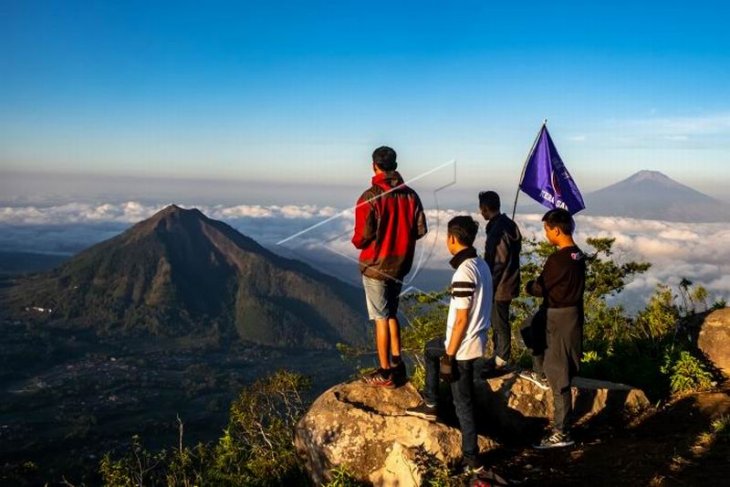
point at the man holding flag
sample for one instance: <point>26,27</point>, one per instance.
<point>556,331</point>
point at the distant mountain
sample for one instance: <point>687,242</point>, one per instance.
<point>180,273</point>
<point>653,195</point>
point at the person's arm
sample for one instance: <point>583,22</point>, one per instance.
<point>365,222</point>
<point>533,288</point>
<point>458,333</point>
<point>462,295</point>
<point>421,226</point>
<point>550,274</point>
<point>500,260</point>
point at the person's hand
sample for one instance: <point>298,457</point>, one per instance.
<point>446,368</point>
<point>528,286</point>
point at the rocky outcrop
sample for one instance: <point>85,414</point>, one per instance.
<point>714,339</point>
<point>514,406</point>
<point>365,430</point>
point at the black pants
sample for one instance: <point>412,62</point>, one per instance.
<point>555,338</point>
<point>501,330</point>
<point>564,339</point>
<point>462,390</point>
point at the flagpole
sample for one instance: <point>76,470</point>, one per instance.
<point>524,167</point>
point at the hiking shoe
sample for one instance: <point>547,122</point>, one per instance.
<point>379,378</point>
<point>556,440</point>
<point>496,368</point>
<point>486,477</point>
<point>471,467</point>
<point>398,374</point>
<point>537,379</point>
<point>423,411</point>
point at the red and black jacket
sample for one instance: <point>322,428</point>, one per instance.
<point>389,219</point>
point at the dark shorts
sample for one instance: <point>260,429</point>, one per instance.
<point>382,297</point>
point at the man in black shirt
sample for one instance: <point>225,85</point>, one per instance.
<point>560,285</point>
<point>502,254</point>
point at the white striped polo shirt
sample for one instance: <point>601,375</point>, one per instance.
<point>471,288</point>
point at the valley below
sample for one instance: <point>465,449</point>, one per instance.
<point>68,396</point>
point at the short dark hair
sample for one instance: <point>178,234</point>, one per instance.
<point>464,228</point>
<point>560,218</point>
<point>490,200</point>
<point>384,157</point>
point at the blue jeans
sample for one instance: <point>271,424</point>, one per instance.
<point>381,297</point>
<point>462,390</point>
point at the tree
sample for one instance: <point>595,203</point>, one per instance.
<point>256,448</point>
<point>643,350</point>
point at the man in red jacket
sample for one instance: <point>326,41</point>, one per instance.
<point>389,219</point>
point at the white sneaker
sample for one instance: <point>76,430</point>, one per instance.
<point>555,440</point>
<point>539,380</point>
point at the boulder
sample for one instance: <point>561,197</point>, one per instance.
<point>514,406</point>
<point>714,339</point>
<point>365,430</point>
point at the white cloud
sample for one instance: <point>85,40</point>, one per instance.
<point>681,128</point>
<point>699,252</point>
<point>132,212</point>
<point>245,211</point>
<point>678,234</point>
<point>129,212</point>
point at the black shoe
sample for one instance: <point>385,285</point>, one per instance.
<point>423,411</point>
<point>398,373</point>
<point>492,369</point>
<point>536,379</point>
<point>556,440</point>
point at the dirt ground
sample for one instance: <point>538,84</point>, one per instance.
<point>673,445</point>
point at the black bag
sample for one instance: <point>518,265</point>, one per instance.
<point>533,332</point>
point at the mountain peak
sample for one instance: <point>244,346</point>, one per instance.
<point>180,273</point>
<point>174,210</point>
<point>654,195</point>
<point>649,175</point>
<point>171,218</point>
<point>652,179</point>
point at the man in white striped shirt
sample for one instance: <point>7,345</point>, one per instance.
<point>452,357</point>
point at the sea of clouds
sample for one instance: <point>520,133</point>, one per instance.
<point>321,236</point>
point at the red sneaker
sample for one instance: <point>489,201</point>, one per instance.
<point>379,378</point>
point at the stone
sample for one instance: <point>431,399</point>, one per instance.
<point>400,468</point>
<point>365,430</point>
<point>513,405</point>
<point>714,339</point>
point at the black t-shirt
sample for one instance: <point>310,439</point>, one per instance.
<point>562,280</point>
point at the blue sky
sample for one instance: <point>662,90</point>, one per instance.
<point>286,92</point>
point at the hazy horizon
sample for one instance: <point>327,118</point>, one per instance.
<point>46,188</point>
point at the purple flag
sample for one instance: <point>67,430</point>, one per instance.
<point>547,181</point>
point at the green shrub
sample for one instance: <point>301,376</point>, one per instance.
<point>427,314</point>
<point>341,477</point>
<point>721,425</point>
<point>256,448</point>
<point>686,373</point>
<point>619,347</point>
<point>138,467</point>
